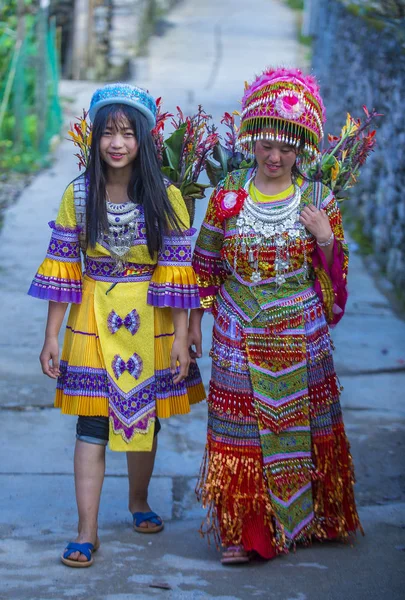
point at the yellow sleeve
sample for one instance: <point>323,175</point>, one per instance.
<point>179,206</point>
<point>66,214</point>
<point>174,282</point>
<point>59,277</point>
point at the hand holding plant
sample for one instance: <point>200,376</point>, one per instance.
<point>342,160</point>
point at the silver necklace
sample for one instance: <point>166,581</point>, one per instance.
<point>263,225</point>
<point>272,215</point>
<point>122,229</point>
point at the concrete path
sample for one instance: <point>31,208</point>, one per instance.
<point>208,50</point>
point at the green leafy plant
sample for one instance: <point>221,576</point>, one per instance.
<point>225,157</point>
<point>295,4</point>
<point>185,152</point>
<point>29,108</point>
<point>346,153</point>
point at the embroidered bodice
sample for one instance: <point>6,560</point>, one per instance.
<point>270,264</point>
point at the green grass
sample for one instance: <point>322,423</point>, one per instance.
<point>305,40</point>
<point>295,4</point>
<point>364,242</point>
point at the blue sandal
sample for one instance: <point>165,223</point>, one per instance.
<point>87,549</point>
<point>152,517</point>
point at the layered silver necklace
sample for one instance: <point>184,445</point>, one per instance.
<point>274,226</point>
<point>123,229</point>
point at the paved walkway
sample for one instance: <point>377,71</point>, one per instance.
<point>208,50</point>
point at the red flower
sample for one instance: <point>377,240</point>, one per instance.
<point>228,119</point>
<point>180,113</point>
<point>229,203</point>
<point>78,130</point>
<point>332,138</point>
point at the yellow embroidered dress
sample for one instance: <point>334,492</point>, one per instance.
<point>116,354</point>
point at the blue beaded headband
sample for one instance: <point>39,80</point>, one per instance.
<point>124,93</point>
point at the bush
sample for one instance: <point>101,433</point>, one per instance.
<point>28,87</point>
<point>296,4</point>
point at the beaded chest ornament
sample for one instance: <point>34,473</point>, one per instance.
<point>273,226</point>
<point>123,229</point>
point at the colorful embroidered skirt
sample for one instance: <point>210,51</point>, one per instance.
<point>116,362</point>
<point>277,468</point>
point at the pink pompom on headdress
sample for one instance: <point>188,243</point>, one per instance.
<point>292,76</point>
<point>283,105</point>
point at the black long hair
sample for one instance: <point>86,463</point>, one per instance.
<point>146,185</point>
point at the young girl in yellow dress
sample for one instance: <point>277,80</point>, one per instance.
<point>125,359</point>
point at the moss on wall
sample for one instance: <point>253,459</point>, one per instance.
<point>357,64</point>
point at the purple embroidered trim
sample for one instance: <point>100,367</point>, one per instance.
<point>66,231</point>
<point>173,295</point>
<point>102,270</point>
<point>132,412</point>
<point>166,388</point>
<point>56,289</point>
<point>194,376</point>
<point>82,381</point>
<point>214,229</point>
<point>134,366</point>
<point>64,245</point>
<point>129,431</point>
<point>128,405</point>
<point>175,252</point>
<point>63,250</point>
<point>131,322</point>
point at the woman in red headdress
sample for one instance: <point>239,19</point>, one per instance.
<point>271,263</point>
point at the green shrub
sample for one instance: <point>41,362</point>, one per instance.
<point>296,4</point>
<point>28,75</point>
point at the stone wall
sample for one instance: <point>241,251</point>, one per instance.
<point>359,58</point>
<point>106,35</point>
<point>123,29</point>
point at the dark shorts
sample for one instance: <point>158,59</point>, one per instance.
<point>94,430</point>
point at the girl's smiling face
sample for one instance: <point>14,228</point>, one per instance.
<point>275,159</point>
<point>118,144</point>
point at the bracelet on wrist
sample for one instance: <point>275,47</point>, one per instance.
<point>328,241</point>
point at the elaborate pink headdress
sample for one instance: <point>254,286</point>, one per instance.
<point>283,105</point>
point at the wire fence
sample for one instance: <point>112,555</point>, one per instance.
<point>30,111</point>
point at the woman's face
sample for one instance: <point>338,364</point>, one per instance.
<point>275,159</point>
<point>118,144</point>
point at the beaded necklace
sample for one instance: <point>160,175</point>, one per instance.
<point>122,229</point>
<point>278,226</point>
